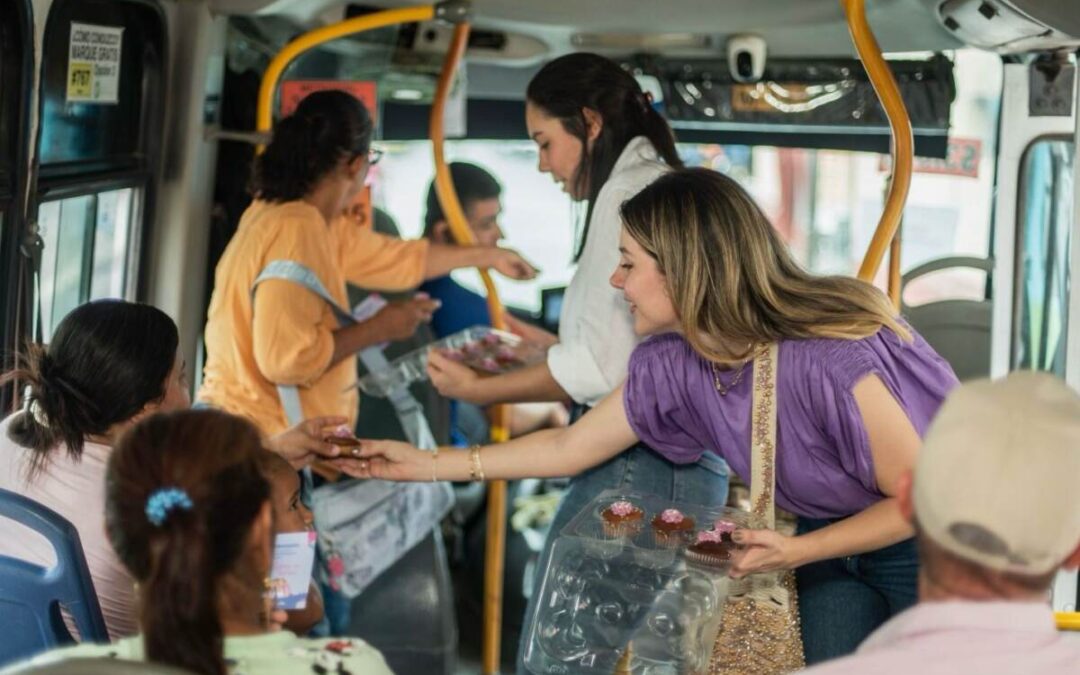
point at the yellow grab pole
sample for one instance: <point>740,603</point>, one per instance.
<point>495,546</point>
<point>895,282</point>
<point>264,116</point>
<point>903,144</point>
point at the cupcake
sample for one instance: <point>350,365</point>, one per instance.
<point>712,547</point>
<point>670,527</point>
<point>342,437</point>
<point>622,519</point>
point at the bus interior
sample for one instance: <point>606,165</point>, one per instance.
<point>133,188</point>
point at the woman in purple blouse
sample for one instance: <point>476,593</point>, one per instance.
<point>708,278</point>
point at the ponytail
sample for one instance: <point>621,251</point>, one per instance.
<point>571,83</point>
<point>183,492</point>
<point>107,361</point>
<point>178,611</point>
<point>327,127</point>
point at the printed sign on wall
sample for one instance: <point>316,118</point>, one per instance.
<point>94,64</point>
<point>294,91</point>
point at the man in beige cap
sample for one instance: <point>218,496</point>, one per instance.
<point>996,506</point>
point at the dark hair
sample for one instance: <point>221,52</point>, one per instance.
<point>567,85</point>
<point>214,458</point>
<point>326,127</point>
<point>107,360</point>
<point>472,184</point>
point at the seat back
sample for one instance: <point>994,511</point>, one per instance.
<point>959,330</point>
<point>105,666</point>
<point>31,596</point>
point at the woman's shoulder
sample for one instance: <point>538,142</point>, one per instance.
<point>284,652</point>
<point>637,167</point>
<point>274,216</point>
<point>847,360</point>
<point>671,348</point>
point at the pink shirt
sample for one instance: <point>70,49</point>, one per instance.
<point>944,638</point>
<point>75,490</point>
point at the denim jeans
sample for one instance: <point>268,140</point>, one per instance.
<point>843,600</point>
<point>639,469</point>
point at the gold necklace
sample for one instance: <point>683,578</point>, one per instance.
<point>720,387</point>
<point>724,389</point>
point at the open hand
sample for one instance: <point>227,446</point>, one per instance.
<point>387,460</point>
<point>510,264</point>
<point>304,442</point>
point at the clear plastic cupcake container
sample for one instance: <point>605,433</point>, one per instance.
<point>601,595</point>
<point>482,348</point>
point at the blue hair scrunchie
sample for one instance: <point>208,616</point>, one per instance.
<point>164,501</point>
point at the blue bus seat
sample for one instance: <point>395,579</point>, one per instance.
<point>31,596</point>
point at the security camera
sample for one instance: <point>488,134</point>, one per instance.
<point>746,57</point>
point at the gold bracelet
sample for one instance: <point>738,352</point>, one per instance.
<point>435,465</point>
<point>476,469</point>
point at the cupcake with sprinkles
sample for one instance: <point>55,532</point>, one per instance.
<point>622,519</point>
<point>713,547</point>
<point>670,527</point>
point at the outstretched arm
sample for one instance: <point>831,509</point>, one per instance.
<point>601,434</point>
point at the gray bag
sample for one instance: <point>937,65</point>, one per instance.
<point>366,526</point>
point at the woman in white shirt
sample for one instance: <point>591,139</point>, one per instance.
<point>600,138</point>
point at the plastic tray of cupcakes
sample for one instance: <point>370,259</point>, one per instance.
<point>635,584</point>
<point>486,350</point>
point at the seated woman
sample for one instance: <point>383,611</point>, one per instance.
<point>709,279</point>
<point>109,364</point>
<point>188,513</point>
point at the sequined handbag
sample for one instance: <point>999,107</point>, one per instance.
<point>759,631</point>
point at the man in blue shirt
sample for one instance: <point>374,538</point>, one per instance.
<point>462,308</point>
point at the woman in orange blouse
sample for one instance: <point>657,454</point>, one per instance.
<point>283,334</point>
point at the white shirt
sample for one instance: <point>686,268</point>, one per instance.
<point>943,638</point>
<point>596,330</point>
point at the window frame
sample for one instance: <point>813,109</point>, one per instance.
<point>138,169</point>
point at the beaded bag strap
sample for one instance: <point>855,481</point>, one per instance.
<point>763,437</point>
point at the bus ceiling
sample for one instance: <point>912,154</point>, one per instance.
<point>794,28</point>
<point>812,91</point>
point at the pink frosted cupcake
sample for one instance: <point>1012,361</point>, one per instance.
<point>622,519</point>
<point>670,527</point>
<point>713,547</point>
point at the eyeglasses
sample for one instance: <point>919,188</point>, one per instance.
<point>374,155</point>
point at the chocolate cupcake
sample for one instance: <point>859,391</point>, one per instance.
<point>622,519</point>
<point>713,547</point>
<point>670,527</point>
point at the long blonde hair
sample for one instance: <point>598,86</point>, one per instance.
<point>731,278</point>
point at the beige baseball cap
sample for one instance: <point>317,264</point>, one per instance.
<point>997,481</point>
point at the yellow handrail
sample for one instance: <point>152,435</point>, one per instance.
<point>264,116</point>
<point>495,545</point>
<point>1067,620</point>
<point>903,144</point>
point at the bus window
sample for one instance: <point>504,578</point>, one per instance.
<point>94,229</point>
<point>99,148</point>
<point>1042,276</point>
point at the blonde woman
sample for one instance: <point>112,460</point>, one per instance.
<point>707,277</point>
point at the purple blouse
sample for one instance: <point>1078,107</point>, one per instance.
<point>824,468</point>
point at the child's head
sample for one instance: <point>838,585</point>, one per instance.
<point>290,514</point>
